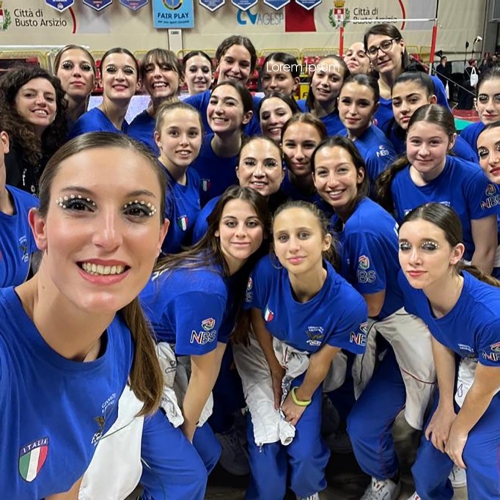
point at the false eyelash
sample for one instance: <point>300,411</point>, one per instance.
<point>150,206</point>
<point>63,200</point>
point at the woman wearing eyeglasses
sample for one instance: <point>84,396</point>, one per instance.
<point>386,49</point>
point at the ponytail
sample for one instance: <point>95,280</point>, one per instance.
<point>383,183</point>
<point>477,273</point>
<point>146,377</point>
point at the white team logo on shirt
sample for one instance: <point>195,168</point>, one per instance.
<point>315,335</point>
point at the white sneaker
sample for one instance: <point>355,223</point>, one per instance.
<point>234,457</point>
<point>414,497</point>
<point>382,490</point>
<point>457,477</point>
<point>310,497</point>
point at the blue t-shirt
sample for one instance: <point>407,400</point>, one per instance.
<point>331,121</point>
<point>461,185</point>
<point>294,193</point>
<point>335,316</point>
<point>460,149</point>
<point>377,151</point>
<point>142,129</point>
<point>471,133</point>
<point>201,226</point>
<point>95,121</point>
<point>189,308</point>
<point>384,113</point>
<point>16,239</point>
<point>182,206</point>
<point>216,173</point>
<point>471,328</point>
<point>201,101</point>
<point>54,410</point>
<point>369,250</point>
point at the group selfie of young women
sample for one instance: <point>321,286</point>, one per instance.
<point>221,278</point>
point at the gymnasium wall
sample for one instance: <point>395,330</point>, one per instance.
<point>35,23</point>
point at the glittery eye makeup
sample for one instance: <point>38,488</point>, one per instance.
<point>430,245</point>
<point>404,245</point>
<point>140,208</point>
<point>75,202</point>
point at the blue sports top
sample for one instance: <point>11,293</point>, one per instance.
<point>54,410</point>
<point>181,209</point>
<point>142,129</point>
<point>471,133</point>
<point>94,121</point>
<point>377,151</point>
<point>331,121</point>
<point>369,251</point>
<point>216,173</point>
<point>471,328</point>
<point>16,239</point>
<point>335,316</point>
<point>190,309</point>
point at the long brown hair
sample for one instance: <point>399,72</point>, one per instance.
<point>146,377</point>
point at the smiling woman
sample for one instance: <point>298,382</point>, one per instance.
<point>458,303</point>
<point>78,317</point>
<point>33,105</point>
<point>161,75</point>
<point>120,81</point>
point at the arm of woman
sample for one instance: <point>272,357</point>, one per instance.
<point>319,365</point>
<point>72,494</point>
<point>204,373</point>
<point>375,302</point>
<point>439,427</point>
<point>484,235</point>
<point>266,344</point>
<point>485,386</point>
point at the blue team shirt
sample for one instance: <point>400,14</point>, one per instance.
<point>335,316</point>
<point>201,226</point>
<point>460,149</point>
<point>142,129</point>
<point>189,308</point>
<point>95,121</point>
<point>471,133</point>
<point>384,113</point>
<point>54,410</point>
<point>16,239</point>
<point>216,173</point>
<point>331,121</point>
<point>377,151</point>
<point>201,101</point>
<point>182,208</point>
<point>461,185</point>
<point>471,328</point>
<point>369,251</point>
<point>294,193</point>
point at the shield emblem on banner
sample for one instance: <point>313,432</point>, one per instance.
<point>97,4</point>
<point>276,4</point>
<point>212,5</point>
<point>32,457</point>
<point>60,5</point>
<point>308,4</point>
<point>134,4</point>
<point>244,4</point>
